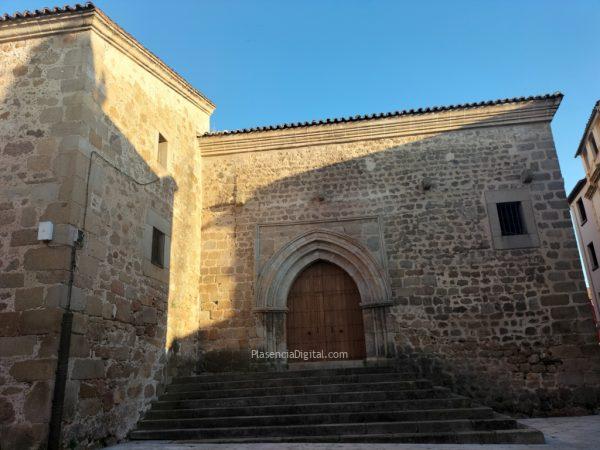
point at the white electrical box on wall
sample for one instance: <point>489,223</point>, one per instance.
<point>45,231</point>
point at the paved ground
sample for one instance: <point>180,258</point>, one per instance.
<point>568,433</point>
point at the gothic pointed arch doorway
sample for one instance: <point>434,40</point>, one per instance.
<point>324,313</point>
<point>277,275</point>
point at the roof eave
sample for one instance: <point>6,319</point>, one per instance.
<point>576,190</point>
<point>387,126</point>
<point>588,125</point>
<point>557,97</point>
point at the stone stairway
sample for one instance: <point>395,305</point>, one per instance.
<point>360,404</point>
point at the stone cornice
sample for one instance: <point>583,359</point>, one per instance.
<point>95,20</point>
<point>518,112</point>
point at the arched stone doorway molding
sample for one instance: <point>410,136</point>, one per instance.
<point>279,272</point>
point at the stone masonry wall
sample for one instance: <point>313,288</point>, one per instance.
<point>141,309</point>
<point>510,327</point>
<point>65,99</point>
<point>39,88</point>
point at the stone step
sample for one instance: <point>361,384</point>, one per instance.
<point>319,418</point>
<point>510,436</point>
<point>413,427</point>
<point>347,404</point>
<point>358,396</point>
<point>265,375</point>
<point>297,390</point>
<point>311,408</point>
<point>368,377</point>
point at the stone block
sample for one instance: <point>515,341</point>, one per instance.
<point>79,346</point>
<point>80,323</point>
<point>7,217</point>
<point>41,321</point>
<point>88,265</point>
<point>34,370</point>
<point>149,315</point>
<point>90,407</point>
<point>564,312</point>
<point>93,306</point>
<point>88,390</point>
<point>86,369</point>
<point>23,436</point>
<point>73,85</point>
<point>39,163</point>
<point>48,345</point>
<point>555,300</point>
<point>37,403</point>
<point>20,70</point>
<point>117,288</point>
<point>7,412</point>
<point>23,237</point>
<point>149,391</point>
<point>47,258</point>
<point>123,313</point>
<point>78,299</point>
<point>71,400</point>
<point>57,212</point>
<point>572,378</point>
<point>28,217</point>
<point>565,286</point>
<point>29,298</point>
<point>9,323</point>
<point>18,148</point>
<point>73,56</point>
<point>11,280</point>
<point>60,72</point>
<point>56,296</point>
<point>42,195</point>
<point>51,115</point>
<point>17,345</point>
<point>95,140</point>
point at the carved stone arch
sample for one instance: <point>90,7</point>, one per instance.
<point>279,272</point>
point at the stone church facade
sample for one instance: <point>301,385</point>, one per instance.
<point>193,240</point>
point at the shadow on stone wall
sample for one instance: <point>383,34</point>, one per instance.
<point>510,328</point>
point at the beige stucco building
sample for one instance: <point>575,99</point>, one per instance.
<point>584,200</point>
<point>174,246</point>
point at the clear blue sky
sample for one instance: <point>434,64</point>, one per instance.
<point>266,62</point>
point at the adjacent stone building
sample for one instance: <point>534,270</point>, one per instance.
<point>451,223</point>
<point>83,107</point>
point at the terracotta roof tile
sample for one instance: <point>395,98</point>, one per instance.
<point>47,11</point>
<point>576,189</point>
<point>409,112</point>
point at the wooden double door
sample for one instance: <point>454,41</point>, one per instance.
<point>324,313</point>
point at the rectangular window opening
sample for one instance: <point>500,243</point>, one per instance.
<point>581,209</point>
<point>163,151</point>
<point>592,255</point>
<point>592,142</point>
<point>158,247</point>
<point>510,216</point>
